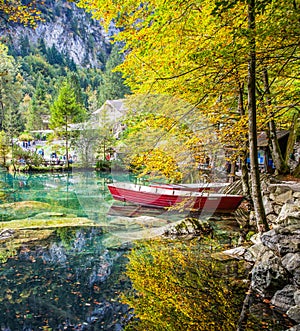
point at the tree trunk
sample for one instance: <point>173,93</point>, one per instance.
<point>104,149</point>
<point>232,172</point>
<point>292,136</point>
<point>67,148</point>
<point>1,113</point>
<point>242,322</point>
<point>243,155</point>
<point>281,166</point>
<point>245,177</point>
<point>260,215</point>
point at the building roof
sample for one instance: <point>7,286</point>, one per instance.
<point>262,139</point>
<point>115,106</point>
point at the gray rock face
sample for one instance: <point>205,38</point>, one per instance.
<point>282,243</point>
<point>268,205</point>
<point>291,262</point>
<point>284,299</point>
<point>289,214</point>
<point>283,197</point>
<point>71,30</point>
<point>294,313</point>
<point>268,275</point>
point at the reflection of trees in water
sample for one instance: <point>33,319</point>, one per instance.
<point>55,281</point>
<point>59,190</point>
<point>83,193</point>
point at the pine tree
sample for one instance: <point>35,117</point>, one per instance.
<point>65,111</point>
<point>42,46</point>
<point>10,84</point>
<point>4,148</point>
<point>113,86</point>
<point>25,46</point>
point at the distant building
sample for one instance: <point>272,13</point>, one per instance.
<point>264,154</point>
<point>110,112</point>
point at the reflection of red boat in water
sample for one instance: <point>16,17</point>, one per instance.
<point>165,197</point>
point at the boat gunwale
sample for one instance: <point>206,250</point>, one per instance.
<point>167,192</point>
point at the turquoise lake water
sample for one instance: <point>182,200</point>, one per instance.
<point>70,278</point>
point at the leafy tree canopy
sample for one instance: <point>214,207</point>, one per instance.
<point>19,12</point>
<point>10,86</point>
<point>162,140</point>
<point>198,51</point>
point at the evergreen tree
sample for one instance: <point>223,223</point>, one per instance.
<point>10,84</point>
<point>65,111</point>
<point>13,123</point>
<point>4,148</point>
<point>113,86</point>
<point>25,46</point>
<point>70,63</point>
<point>54,56</point>
<point>39,107</point>
<point>73,79</point>
<point>42,47</point>
<point>92,100</point>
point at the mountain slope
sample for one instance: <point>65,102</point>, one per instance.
<point>69,29</point>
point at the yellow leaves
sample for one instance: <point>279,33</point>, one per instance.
<point>24,14</point>
<point>179,288</point>
<point>185,50</point>
<point>157,164</point>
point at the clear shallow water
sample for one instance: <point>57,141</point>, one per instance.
<point>66,278</point>
<point>84,192</point>
<point>59,278</point>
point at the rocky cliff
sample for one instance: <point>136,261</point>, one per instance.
<point>70,29</point>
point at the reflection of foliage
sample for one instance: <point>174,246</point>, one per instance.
<point>29,158</point>
<point>178,287</point>
<point>66,235</point>
<point>7,252</point>
<point>38,285</point>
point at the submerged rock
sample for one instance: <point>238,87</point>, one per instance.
<point>6,233</point>
<point>22,209</point>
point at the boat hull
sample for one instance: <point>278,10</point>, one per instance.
<point>166,198</point>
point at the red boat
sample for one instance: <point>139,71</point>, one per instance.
<point>194,187</point>
<point>164,197</point>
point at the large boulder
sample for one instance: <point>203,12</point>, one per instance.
<point>268,276</point>
<point>284,299</point>
<point>282,241</point>
<point>289,215</point>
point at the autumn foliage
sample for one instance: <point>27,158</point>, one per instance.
<point>16,11</point>
<point>177,286</point>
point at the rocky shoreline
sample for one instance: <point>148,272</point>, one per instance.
<point>275,254</point>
